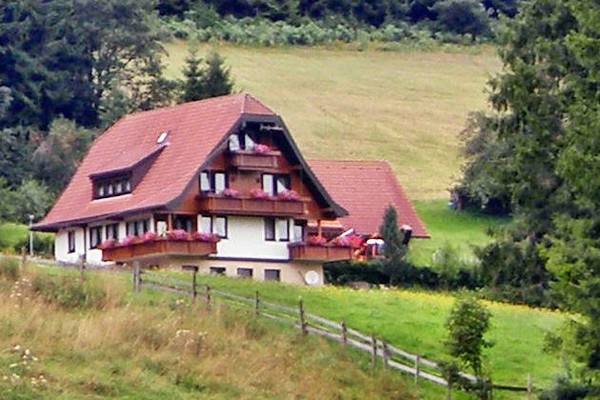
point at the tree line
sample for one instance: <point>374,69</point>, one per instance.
<point>69,69</point>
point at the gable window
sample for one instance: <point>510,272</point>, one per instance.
<point>137,227</point>
<point>112,231</point>
<point>270,229</point>
<point>71,241</point>
<point>274,184</point>
<point>95,236</point>
<point>114,186</point>
<point>242,141</point>
<point>213,181</point>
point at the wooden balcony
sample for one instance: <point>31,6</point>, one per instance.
<point>159,248</point>
<point>247,160</point>
<point>212,204</point>
<point>307,252</point>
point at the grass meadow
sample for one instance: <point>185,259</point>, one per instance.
<point>406,107</point>
<point>56,344</point>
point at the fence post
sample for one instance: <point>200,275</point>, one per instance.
<point>344,333</point>
<point>301,315</point>
<point>194,288</point>
<point>373,350</point>
<point>529,386</point>
<point>256,303</point>
<point>417,368</point>
<point>81,266</point>
<point>23,258</point>
<point>137,279</point>
<point>386,354</point>
<point>207,295</point>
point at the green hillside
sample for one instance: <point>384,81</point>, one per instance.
<point>406,107</point>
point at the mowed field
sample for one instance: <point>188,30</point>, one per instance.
<point>404,107</point>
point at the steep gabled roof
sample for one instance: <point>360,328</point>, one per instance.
<point>365,189</point>
<point>196,131</point>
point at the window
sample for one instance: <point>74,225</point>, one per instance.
<point>298,231</point>
<point>112,231</point>
<point>213,181</point>
<point>217,270</point>
<point>137,227</point>
<point>283,229</point>
<point>220,226</point>
<point>205,224</point>
<point>275,184</point>
<point>272,275</point>
<point>244,272</point>
<point>242,141</point>
<point>270,229</point>
<point>216,225</point>
<point>95,236</point>
<point>114,186</point>
<point>71,241</point>
<point>182,222</point>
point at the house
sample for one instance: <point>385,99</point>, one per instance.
<point>217,183</point>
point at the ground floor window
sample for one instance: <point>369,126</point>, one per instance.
<point>244,272</point>
<point>71,241</point>
<point>217,270</point>
<point>215,224</point>
<point>137,228</point>
<point>272,275</point>
<point>95,236</point>
<point>112,231</point>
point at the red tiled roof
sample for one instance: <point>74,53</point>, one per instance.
<point>195,129</point>
<point>366,189</point>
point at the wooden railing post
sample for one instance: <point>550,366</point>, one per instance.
<point>417,368</point>
<point>373,350</point>
<point>529,386</point>
<point>301,315</point>
<point>344,333</point>
<point>256,303</point>
<point>194,288</point>
<point>81,266</point>
<point>386,354</point>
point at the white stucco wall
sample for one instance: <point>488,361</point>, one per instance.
<point>246,239</point>
<point>61,245</point>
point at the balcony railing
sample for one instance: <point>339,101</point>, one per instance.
<point>159,247</point>
<point>250,206</point>
<point>248,160</point>
<point>309,252</point>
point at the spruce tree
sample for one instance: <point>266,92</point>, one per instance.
<point>394,250</point>
<point>216,80</point>
<point>193,85</point>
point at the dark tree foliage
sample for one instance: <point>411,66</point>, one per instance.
<point>394,264</point>
<point>543,144</point>
<point>462,17</point>
<point>204,80</point>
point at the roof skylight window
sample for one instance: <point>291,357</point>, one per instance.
<point>162,137</point>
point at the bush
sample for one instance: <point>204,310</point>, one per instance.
<point>70,292</point>
<point>43,244</point>
<point>9,269</point>
<point>563,389</point>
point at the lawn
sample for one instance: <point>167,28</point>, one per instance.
<point>414,321</point>
<point>404,107</point>
<point>458,230</point>
<point>11,234</point>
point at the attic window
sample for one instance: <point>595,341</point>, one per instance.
<point>161,138</point>
<point>113,186</point>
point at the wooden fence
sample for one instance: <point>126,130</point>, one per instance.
<point>392,357</point>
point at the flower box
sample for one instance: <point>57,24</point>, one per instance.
<point>250,160</point>
<point>308,252</point>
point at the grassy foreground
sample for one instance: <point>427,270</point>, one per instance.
<point>406,107</point>
<point>62,340</point>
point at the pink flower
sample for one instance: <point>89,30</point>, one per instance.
<point>288,195</point>
<point>178,234</point>
<point>129,240</point>
<point>261,148</point>
<point>354,241</point>
<point>317,241</point>
<point>228,192</point>
<point>258,193</point>
<point>149,236</point>
<point>205,237</point>
<point>108,243</point>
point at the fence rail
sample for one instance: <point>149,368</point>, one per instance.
<point>393,357</point>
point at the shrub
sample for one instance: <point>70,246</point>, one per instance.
<point>70,292</point>
<point>43,244</point>
<point>9,269</point>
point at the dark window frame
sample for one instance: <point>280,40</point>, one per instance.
<point>249,275</point>
<point>107,187</point>
<point>277,277</point>
<point>111,231</point>
<point>273,180</point>
<point>226,226</point>
<point>286,238</point>
<point>71,241</point>
<point>95,233</point>
<point>269,222</point>
<point>212,180</point>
